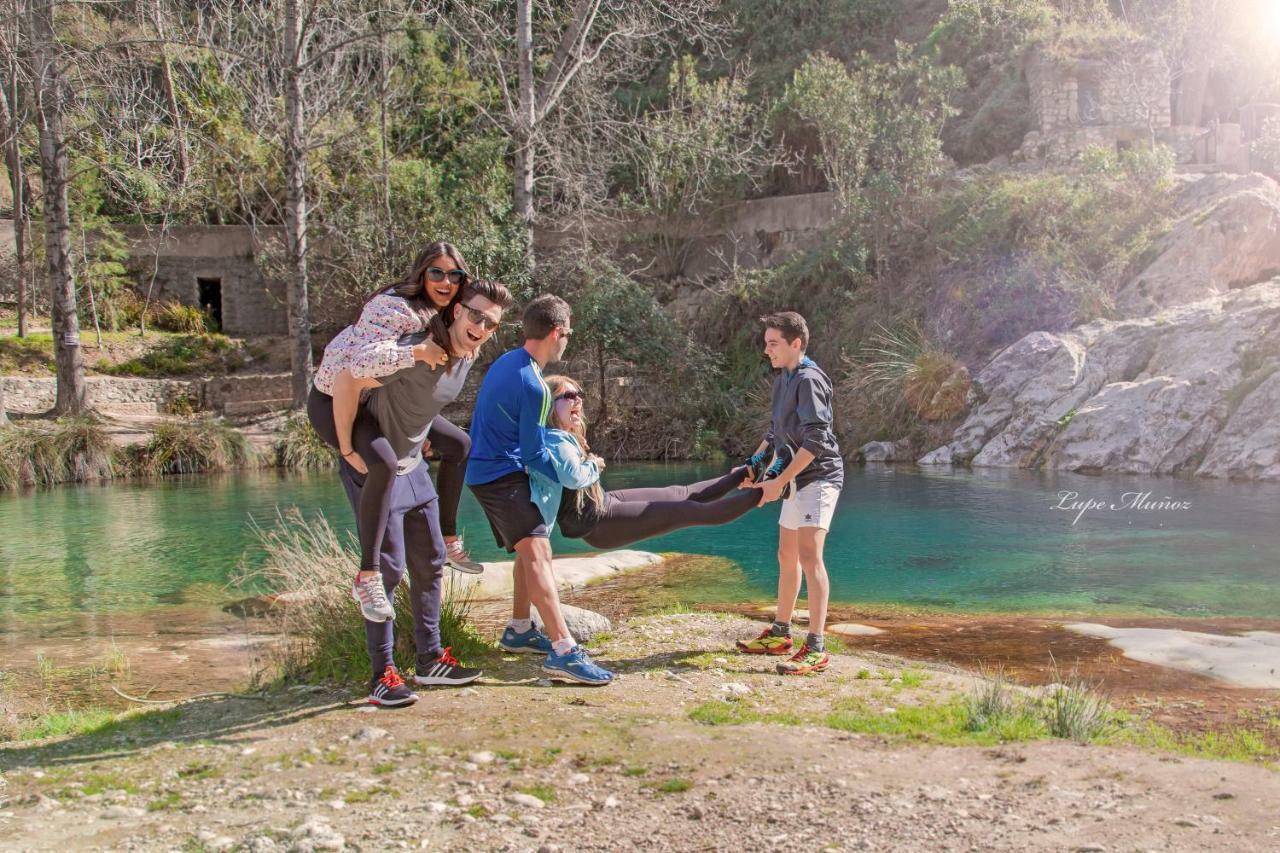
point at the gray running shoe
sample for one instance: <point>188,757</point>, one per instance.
<point>372,598</point>
<point>457,558</point>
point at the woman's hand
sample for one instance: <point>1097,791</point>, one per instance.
<point>598,460</point>
<point>430,353</point>
<point>354,460</point>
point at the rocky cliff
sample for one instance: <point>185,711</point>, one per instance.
<point>1187,382</point>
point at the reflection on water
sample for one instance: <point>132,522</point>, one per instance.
<point>986,540</point>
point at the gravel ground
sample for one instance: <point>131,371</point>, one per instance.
<point>516,764</point>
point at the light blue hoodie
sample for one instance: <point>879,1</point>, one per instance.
<point>571,469</point>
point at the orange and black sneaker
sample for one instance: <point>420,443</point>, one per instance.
<point>804,662</point>
<point>768,643</point>
<point>390,691</point>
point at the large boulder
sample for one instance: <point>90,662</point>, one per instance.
<point>1191,390</point>
<point>583,624</point>
<point>1227,237</point>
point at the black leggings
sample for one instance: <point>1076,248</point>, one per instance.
<point>453,445</point>
<point>381,460</point>
<point>630,515</point>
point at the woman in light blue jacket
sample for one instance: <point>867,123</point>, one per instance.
<point>625,516</point>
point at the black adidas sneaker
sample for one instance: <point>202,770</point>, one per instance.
<point>444,671</point>
<point>390,691</point>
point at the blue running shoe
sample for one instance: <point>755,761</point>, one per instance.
<point>531,642</point>
<point>576,667</point>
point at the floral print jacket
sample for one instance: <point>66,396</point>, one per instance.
<point>370,346</point>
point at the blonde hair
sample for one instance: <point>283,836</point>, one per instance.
<point>558,385</point>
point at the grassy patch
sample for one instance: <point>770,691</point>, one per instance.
<point>167,802</point>
<point>100,783</point>
<point>366,795</point>
<point>32,354</point>
<point>68,450</point>
<point>95,722</point>
<point>325,639</point>
<point>85,721</point>
<point>672,786</point>
<point>635,770</point>
<point>181,356</point>
<point>720,712</point>
<point>546,793</point>
<point>301,448</point>
<point>192,447</point>
<point>1234,744</point>
<point>199,770</point>
<point>1075,711</point>
<point>384,769</point>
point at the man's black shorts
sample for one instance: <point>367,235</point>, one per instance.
<point>509,507</point>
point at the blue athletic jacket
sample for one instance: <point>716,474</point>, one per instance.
<point>572,471</point>
<point>508,425</point>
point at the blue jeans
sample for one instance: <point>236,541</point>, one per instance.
<point>412,542</point>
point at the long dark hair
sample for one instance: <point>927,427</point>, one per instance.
<point>412,290</point>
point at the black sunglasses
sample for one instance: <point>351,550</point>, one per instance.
<point>455,276</point>
<point>570,395</point>
<point>480,318</point>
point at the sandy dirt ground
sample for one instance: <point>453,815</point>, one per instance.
<point>514,763</point>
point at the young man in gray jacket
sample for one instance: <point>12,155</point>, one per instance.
<point>807,474</point>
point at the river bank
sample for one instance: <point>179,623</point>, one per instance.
<point>185,650</point>
<point>674,756</point>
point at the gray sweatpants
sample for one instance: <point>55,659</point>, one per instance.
<point>412,542</point>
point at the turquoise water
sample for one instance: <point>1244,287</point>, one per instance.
<point>960,540</point>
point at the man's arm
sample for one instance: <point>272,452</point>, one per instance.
<point>534,406</point>
<point>813,409</point>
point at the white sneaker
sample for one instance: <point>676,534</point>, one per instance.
<point>456,557</point>
<point>372,598</point>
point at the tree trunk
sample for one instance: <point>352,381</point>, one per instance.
<point>296,205</point>
<point>71,395</point>
<point>602,418</point>
<point>18,181</point>
<point>170,96</point>
<point>382,134</point>
<point>522,138</point>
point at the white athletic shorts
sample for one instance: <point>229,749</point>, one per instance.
<point>812,506</point>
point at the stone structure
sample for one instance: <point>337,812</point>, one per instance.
<point>227,395</point>
<point>214,266</point>
<point>1115,98</point>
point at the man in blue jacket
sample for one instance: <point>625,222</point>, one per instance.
<point>507,441</point>
<point>807,473</point>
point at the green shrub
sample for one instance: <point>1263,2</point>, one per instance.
<point>301,448</point>
<point>173,316</point>
<point>308,568</point>
<point>32,354</point>
<point>187,354</point>
<point>205,445</point>
<point>1075,710</point>
<point>43,454</point>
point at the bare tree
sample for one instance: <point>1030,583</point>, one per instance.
<point>548,55</point>
<point>316,57</point>
<point>13,118</point>
<point>50,98</point>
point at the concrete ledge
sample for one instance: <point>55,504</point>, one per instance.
<point>571,572</point>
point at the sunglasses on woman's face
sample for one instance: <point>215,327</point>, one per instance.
<point>455,276</point>
<point>571,396</point>
<point>480,318</point>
